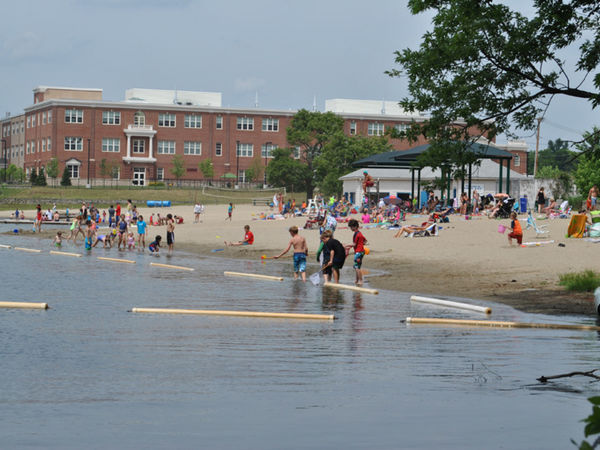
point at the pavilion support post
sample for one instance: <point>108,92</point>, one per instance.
<point>470,180</point>
<point>508,176</point>
<point>443,188</point>
<point>412,184</point>
<point>449,180</point>
<point>419,187</point>
<point>500,178</point>
<point>462,180</point>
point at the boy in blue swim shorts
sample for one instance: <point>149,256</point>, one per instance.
<point>300,252</point>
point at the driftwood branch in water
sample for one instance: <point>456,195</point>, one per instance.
<point>590,374</point>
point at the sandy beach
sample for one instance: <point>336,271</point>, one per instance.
<point>469,258</point>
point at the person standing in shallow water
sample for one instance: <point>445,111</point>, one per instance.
<point>300,252</point>
<point>170,233</point>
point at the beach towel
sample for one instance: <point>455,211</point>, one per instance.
<point>577,226</point>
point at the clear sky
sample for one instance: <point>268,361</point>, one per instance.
<point>288,52</point>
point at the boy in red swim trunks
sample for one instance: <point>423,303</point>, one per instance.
<point>358,243</point>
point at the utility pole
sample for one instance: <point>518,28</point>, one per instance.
<point>537,146</point>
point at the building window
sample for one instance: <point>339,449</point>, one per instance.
<point>49,116</point>
<point>353,128</point>
<point>49,146</point>
<point>44,118</point>
<point>73,170</point>
<point>27,148</point>
<point>139,119</point>
<point>28,121</point>
<point>111,118</point>
<point>192,148</point>
<point>166,120</point>
<point>245,150</point>
<point>74,116</point>
<point>218,149</point>
<point>266,150</point>
<point>33,121</point>
<point>192,121</point>
<point>160,174</point>
<point>111,145</point>
<point>219,122</point>
<point>116,173</point>
<point>517,160</point>
<point>376,129</point>
<point>139,146</point>
<point>296,152</point>
<point>242,176</point>
<point>166,147</point>
<point>270,124</point>
<point>72,144</point>
<point>402,127</point>
<point>44,145</point>
<point>245,123</point>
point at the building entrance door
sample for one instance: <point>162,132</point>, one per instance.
<point>139,176</point>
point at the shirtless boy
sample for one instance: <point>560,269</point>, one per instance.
<point>300,252</point>
<point>170,233</point>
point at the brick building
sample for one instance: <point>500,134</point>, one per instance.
<point>136,140</point>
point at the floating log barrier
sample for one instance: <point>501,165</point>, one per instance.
<point>270,315</point>
<point>5,246</point>
<point>351,288</point>
<point>253,275</point>
<point>24,305</point>
<point>169,266</point>
<point>55,252</point>
<point>436,301</point>
<point>128,261</point>
<point>30,250</point>
<point>498,324</point>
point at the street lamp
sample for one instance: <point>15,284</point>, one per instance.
<point>237,167</point>
<point>88,166</point>
<point>267,146</point>
<point>4,156</point>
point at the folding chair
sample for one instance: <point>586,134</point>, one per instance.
<point>532,224</point>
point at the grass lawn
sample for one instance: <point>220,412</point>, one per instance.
<point>72,196</point>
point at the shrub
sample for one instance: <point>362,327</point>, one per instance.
<point>586,281</point>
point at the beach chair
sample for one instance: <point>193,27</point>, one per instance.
<point>431,230</point>
<point>531,223</point>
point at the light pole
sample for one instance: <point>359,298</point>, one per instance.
<point>237,167</point>
<point>4,156</point>
<point>88,166</point>
<point>267,146</point>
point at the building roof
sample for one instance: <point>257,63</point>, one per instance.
<point>173,97</point>
<point>368,107</point>
<point>488,170</point>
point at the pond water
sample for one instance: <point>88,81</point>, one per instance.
<point>89,374</point>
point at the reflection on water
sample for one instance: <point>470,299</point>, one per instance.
<point>87,373</point>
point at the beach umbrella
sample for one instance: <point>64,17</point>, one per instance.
<point>392,199</point>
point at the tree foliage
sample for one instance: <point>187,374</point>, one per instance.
<point>256,170</point>
<point>485,66</point>
<point>285,171</point>
<point>178,167</point>
<point>207,168</point>
<point>52,168</point>
<point>66,177</point>
<point>41,178</point>
<point>33,176</point>
<point>311,132</point>
<point>556,154</point>
<point>339,154</point>
<point>587,173</point>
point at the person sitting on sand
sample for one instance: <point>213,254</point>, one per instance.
<point>551,206</point>
<point>411,229</point>
<point>248,238</point>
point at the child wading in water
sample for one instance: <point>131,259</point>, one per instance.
<point>300,252</point>
<point>517,231</point>
<point>155,245</point>
<point>358,243</point>
<point>58,239</point>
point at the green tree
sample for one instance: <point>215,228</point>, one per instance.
<point>19,174</point>
<point>41,178</point>
<point>178,167</point>
<point>339,154</point>
<point>105,170</point>
<point>556,154</point>
<point>52,169</point>
<point>487,67</point>
<point>285,171</point>
<point>587,172</point>
<point>207,168</point>
<point>11,172</point>
<point>66,177</point>
<point>256,170</point>
<point>33,176</point>
<point>310,132</point>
